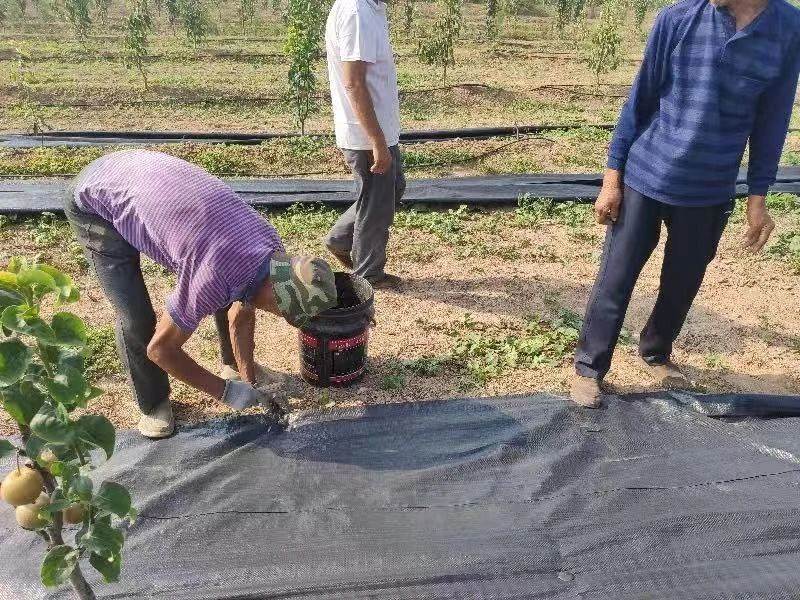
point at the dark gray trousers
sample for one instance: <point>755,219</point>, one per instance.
<point>363,230</point>
<point>118,268</point>
<point>693,236</point>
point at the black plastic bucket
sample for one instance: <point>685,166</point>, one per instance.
<point>333,346</point>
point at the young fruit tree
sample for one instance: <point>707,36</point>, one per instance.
<point>640,8</point>
<point>195,21</point>
<point>247,13</point>
<point>136,43</point>
<point>305,20</point>
<point>568,11</point>
<point>437,47</point>
<point>494,15</point>
<point>604,51</point>
<point>78,15</point>
<point>173,13</point>
<point>102,7</point>
<point>42,383</point>
<point>26,78</point>
<point>409,11</point>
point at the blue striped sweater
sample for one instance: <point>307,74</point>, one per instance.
<point>703,91</point>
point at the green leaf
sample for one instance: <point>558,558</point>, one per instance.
<point>27,322</point>
<point>58,565</point>
<point>9,296</point>
<point>14,265</point>
<point>63,470</point>
<point>49,427</point>
<point>22,401</point>
<point>113,498</point>
<point>103,540</point>
<point>97,431</point>
<point>70,388</point>
<point>36,280</point>
<point>15,357</point>
<point>69,330</point>
<point>109,568</point>
<point>48,511</point>
<point>34,446</point>
<point>82,487</point>
<point>65,289</point>
<point>6,448</point>
<point>8,279</point>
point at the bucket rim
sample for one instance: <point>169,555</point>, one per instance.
<point>360,307</point>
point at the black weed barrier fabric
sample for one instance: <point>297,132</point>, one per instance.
<point>36,196</point>
<point>524,497</point>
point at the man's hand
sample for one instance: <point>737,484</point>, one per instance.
<point>759,224</point>
<point>381,160</point>
<point>606,209</point>
<point>240,394</point>
<point>355,83</point>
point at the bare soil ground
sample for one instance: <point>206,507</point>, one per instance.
<point>473,275</point>
<point>481,289</point>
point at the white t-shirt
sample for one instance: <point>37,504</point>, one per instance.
<point>359,30</point>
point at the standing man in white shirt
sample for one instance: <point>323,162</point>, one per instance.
<point>366,110</point>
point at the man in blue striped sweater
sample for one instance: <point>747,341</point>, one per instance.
<point>716,74</point>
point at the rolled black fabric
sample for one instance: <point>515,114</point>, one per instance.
<point>35,196</point>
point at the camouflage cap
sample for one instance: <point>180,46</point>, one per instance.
<point>304,287</point>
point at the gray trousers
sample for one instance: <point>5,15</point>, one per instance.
<point>118,269</point>
<point>363,230</point>
<point>693,236</point>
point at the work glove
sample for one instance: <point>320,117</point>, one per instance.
<point>240,395</point>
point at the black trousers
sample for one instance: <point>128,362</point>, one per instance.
<point>693,236</point>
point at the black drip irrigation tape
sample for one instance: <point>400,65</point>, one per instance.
<point>35,197</point>
<point>115,138</point>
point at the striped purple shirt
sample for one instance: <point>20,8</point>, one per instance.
<point>186,220</point>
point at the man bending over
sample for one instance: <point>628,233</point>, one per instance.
<point>227,259</point>
<point>716,74</point>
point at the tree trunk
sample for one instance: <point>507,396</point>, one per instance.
<point>79,583</point>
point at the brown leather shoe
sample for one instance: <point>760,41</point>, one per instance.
<point>385,282</point>
<point>669,376</point>
<point>586,392</point>
<point>342,256</point>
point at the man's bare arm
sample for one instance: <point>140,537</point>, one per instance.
<point>242,319</point>
<point>166,350</point>
<point>355,83</point>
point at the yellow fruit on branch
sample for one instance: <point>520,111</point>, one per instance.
<point>21,486</point>
<point>47,457</point>
<point>28,514</point>
<point>74,514</point>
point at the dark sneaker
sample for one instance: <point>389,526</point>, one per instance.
<point>384,282</point>
<point>586,392</point>
<point>669,376</point>
<point>342,256</point>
